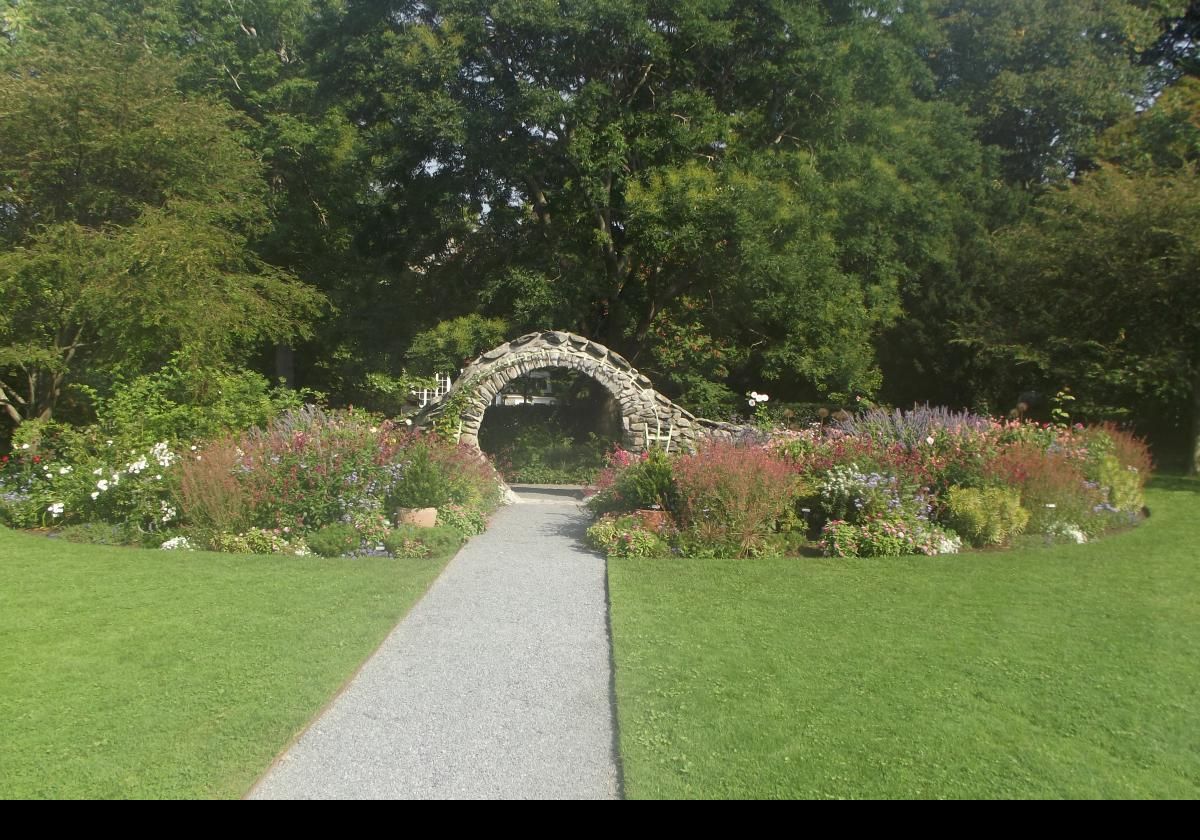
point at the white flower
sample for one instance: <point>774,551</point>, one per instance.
<point>116,478</point>
<point>373,430</point>
<point>108,443</point>
<point>162,454</point>
<point>24,445</point>
<point>193,449</point>
<point>929,440</point>
<point>158,478</point>
<point>98,471</point>
<point>177,543</point>
<point>95,495</point>
<point>137,466</point>
<point>102,485</point>
<point>168,512</point>
<point>407,422</point>
<point>56,509</point>
<point>63,470</point>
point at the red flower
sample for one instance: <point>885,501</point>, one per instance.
<point>37,459</point>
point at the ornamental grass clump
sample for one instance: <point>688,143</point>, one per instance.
<point>731,497</point>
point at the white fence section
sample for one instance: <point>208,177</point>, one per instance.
<point>425,396</point>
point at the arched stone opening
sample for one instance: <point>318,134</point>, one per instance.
<point>552,425</point>
<point>648,419</point>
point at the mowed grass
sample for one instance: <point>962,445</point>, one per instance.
<point>128,673</point>
<point>1067,671</point>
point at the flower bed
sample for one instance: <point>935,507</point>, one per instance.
<point>927,481</point>
<point>269,490</point>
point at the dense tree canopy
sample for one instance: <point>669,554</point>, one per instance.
<point>824,198</point>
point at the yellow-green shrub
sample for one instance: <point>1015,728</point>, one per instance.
<point>1124,484</point>
<point>986,516</point>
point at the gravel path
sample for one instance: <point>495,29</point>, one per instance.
<point>496,685</point>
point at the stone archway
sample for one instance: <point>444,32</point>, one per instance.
<point>648,418</point>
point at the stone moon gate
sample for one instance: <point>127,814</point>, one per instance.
<point>648,419</point>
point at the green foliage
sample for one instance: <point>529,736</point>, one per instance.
<point>1043,76</point>
<point>453,344</point>
<point>425,483</point>
<point>334,540</point>
<point>1123,484</point>
<point>100,533</point>
<point>184,404</point>
<point>408,541</point>
<point>534,444</point>
<point>468,521</point>
<point>1119,250</point>
<point>58,475</point>
<point>886,537</point>
<point>626,536</point>
<point>986,516</point>
<point>260,541</point>
<point>649,483</point>
<point>132,214</point>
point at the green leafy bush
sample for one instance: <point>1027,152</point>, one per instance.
<point>985,516</point>
<point>334,540</point>
<point>1123,485</point>
<point>100,533</point>
<point>633,482</point>
<point>180,403</point>
<point>425,483</point>
<point>626,536</point>
<point>468,521</point>
<point>261,541</point>
<point>408,541</point>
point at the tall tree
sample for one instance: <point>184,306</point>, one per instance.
<point>127,215</point>
<point>1045,77</point>
<point>630,168</point>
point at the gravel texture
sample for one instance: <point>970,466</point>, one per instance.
<point>496,685</point>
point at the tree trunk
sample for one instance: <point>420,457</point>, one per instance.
<point>285,365</point>
<point>1194,460</point>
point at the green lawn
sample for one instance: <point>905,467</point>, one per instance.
<point>127,673</point>
<point>1053,672</point>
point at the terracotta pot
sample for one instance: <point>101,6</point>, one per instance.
<point>417,517</point>
<point>655,520</point>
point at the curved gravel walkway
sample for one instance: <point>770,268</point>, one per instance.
<point>496,685</point>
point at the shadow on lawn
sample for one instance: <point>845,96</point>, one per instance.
<point>1176,483</point>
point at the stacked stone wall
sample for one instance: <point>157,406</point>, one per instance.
<point>648,419</point>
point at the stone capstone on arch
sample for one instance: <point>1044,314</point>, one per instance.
<point>648,418</point>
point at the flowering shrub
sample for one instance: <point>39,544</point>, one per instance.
<point>881,537</point>
<point>311,468</point>
<point>56,476</point>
